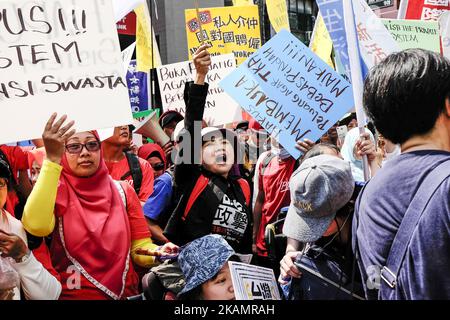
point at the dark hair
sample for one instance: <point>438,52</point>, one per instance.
<point>197,292</point>
<point>405,93</point>
<point>318,149</point>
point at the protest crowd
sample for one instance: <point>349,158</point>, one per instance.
<point>361,211</point>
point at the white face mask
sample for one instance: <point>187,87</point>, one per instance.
<point>279,151</point>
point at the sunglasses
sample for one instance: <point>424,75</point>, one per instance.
<point>158,166</point>
<point>76,148</point>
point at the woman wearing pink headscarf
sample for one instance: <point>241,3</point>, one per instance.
<point>97,223</point>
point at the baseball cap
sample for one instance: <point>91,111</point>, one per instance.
<point>202,259</point>
<point>319,188</point>
<point>169,116</point>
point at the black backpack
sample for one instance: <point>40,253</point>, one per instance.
<point>135,171</point>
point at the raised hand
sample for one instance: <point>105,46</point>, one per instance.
<point>202,61</point>
<point>304,145</point>
<point>55,136</point>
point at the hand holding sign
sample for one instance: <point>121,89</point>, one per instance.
<point>55,136</point>
<point>202,61</point>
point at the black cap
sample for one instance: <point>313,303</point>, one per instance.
<point>5,171</point>
<point>169,116</point>
<point>242,125</point>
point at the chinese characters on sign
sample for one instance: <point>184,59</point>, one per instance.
<point>137,89</point>
<point>228,30</point>
<point>426,9</point>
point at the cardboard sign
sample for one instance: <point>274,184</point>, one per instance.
<point>59,57</point>
<point>253,282</point>
<point>220,108</point>
<point>137,89</point>
<point>414,33</point>
<point>228,29</point>
<point>290,91</point>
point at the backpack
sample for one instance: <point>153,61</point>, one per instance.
<point>135,171</point>
<point>203,182</point>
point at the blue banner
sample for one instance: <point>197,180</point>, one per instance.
<point>137,89</point>
<point>290,91</point>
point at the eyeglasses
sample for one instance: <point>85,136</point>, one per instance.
<point>158,166</point>
<point>76,148</point>
<point>3,184</point>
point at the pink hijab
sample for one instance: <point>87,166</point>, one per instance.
<point>94,227</point>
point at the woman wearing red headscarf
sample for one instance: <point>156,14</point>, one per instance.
<point>97,223</point>
<point>157,207</point>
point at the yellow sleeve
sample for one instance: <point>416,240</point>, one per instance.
<point>38,215</point>
<point>141,260</point>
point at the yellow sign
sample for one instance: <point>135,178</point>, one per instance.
<point>321,43</point>
<point>227,29</point>
<point>147,53</point>
<point>242,2</point>
<point>278,14</point>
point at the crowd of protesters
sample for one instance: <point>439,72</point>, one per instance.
<point>83,218</point>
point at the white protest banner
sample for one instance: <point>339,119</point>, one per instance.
<point>123,7</point>
<point>127,54</point>
<point>253,282</point>
<point>375,41</point>
<point>290,91</point>
<point>220,108</point>
<point>60,58</point>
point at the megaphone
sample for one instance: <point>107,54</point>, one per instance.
<point>150,128</point>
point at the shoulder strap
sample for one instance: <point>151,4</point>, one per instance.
<point>200,185</point>
<point>245,189</point>
<point>121,192</point>
<point>431,183</point>
<point>266,161</point>
<point>135,171</point>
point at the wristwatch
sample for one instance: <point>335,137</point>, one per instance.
<point>24,257</point>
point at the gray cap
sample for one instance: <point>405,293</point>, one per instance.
<point>319,188</point>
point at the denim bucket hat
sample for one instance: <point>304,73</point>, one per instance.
<point>202,259</point>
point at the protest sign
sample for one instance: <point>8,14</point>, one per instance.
<point>63,58</point>
<point>242,2</point>
<point>137,82</point>
<point>278,14</point>
<point>423,9</point>
<point>220,108</point>
<point>414,33</point>
<point>228,30</point>
<point>252,282</point>
<point>127,25</point>
<point>444,27</point>
<point>127,54</point>
<point>290,91</point>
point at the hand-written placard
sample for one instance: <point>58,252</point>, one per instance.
<point>414,33</point>
<point>63,57</point>
<point>253,282</point>
<point>220,108</point>
<point>290,91</point>
<point>227,29</point>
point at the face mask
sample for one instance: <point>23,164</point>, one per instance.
<point>279,151</point>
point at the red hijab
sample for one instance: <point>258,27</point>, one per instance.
<point>147,149</point>
<point>37,155</point>
<point>94,227</point>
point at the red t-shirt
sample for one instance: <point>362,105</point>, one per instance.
<point>118,169</point>
<point>86,290</point>
<point>18,160</point>
<point>275,184</point>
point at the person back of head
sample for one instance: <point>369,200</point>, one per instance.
<point>407,92</point>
